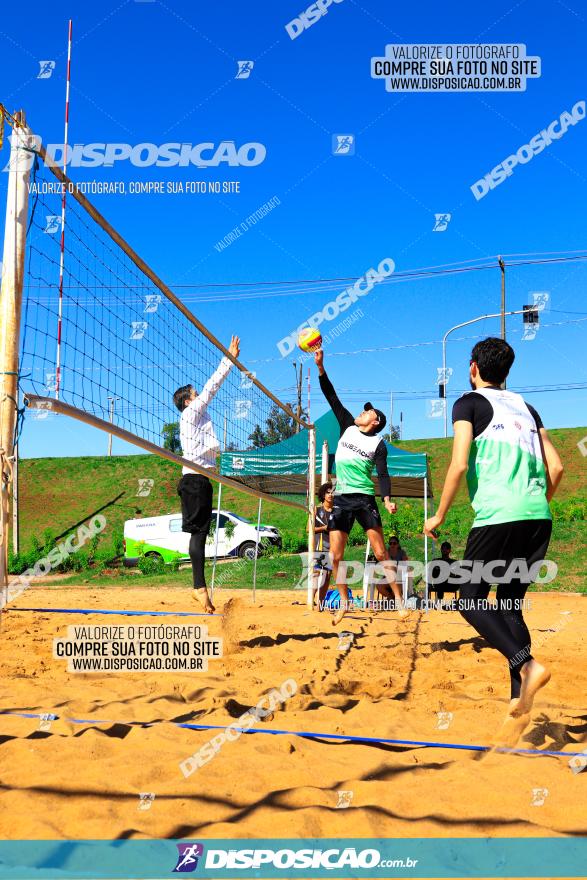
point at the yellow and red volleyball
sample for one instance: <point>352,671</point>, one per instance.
<point>309,339</point>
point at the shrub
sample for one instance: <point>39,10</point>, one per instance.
<point>149,565</point>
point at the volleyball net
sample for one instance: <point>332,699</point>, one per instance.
<point>105,341</point>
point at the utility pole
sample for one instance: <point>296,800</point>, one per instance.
<point>299,393</point>
<point>112,402</point>
<point>390,414</point>
<point>502,267</point>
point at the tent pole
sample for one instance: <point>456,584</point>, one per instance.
<point>325,461</point>
<point>311,512</point>
<point>366,584</point>
<point>425,536</point>
<point>256,551</point>
<point>216,539</point>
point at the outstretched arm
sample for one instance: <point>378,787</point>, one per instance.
<point>344,417</point>
<point>213,384</point>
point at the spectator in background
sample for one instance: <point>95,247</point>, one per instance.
<point>395,550</point>
<point>398,555</point>
<point>322,558</point>
<point>437,574</point>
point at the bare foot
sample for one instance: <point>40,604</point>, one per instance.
<point>534,676</point>
<point>402,612</point>
<point>338,616</point>
<point>204,600</point>
<point>511,730</point>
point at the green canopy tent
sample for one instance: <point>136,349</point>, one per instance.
<point>409,471</point>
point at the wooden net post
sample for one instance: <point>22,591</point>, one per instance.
<point>21,159</point>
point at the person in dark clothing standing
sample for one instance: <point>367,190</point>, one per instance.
<point>322,559</point>
<point>359,451</point>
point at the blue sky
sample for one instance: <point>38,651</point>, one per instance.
<point>165,71</point>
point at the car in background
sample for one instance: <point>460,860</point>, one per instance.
<point>161,537</point>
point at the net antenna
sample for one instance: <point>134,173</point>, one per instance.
<point>125,334</point>
<point>63,203</point>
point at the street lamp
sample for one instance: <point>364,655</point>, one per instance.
<point>445,337</point>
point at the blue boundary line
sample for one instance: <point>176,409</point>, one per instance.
<point>127,613</point>
<point>306,735</point>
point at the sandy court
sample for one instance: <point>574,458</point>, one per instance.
<point>84,780</point>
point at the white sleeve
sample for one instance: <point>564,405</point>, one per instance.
<point>197,406</point>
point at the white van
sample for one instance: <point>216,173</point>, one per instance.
<point>161,537</point>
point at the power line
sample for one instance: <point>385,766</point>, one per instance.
<point>304,284</point>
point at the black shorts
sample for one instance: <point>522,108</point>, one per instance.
<point>195,492</point>
<point>351,507</point>
<point>525,539</point>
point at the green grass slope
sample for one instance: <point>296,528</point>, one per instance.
<point>59,493</point>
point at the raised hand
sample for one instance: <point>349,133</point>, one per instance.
<point>235,346</point>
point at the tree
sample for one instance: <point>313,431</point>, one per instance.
<point>170,435</point>
<point>257,438</point>
<point>393,434</point>
<point>280,426</point>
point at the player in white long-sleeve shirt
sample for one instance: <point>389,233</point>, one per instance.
<point>200,445</point>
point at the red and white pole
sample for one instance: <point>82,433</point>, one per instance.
<point>63,199</point>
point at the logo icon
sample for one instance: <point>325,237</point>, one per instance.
<point>443,720</point>
<point>536,486</point>
<point>441,222</point>
<point>344,800</point>
<point>578,762</point>
<point>138,329</point>
<point>146,799</point>
<point>345,641</point>
<point>343,145</point>
<point>541,300</point>
<point>539,795</point>
<point>45,721</point>
<point>53,224</point>
<point>247,379</point>
<point>242,408</point>
<point>444,374</point>
<point>47,68</point>
<point>152,302</point>
<point>436,408</point>
<point>244,69</point>
<point>51,383</point>
<point>145,487</point>
<point>188,855</point>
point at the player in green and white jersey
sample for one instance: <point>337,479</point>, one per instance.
<point>513,471</point>
<point>360,450</point>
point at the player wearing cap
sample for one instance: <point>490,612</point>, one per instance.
<point>359,451</point>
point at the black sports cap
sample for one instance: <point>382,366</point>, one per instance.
<point>380,416</point>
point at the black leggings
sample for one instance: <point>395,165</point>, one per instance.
<point>502,623</point>
<point>195,492</point>
<point>197,556</point>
